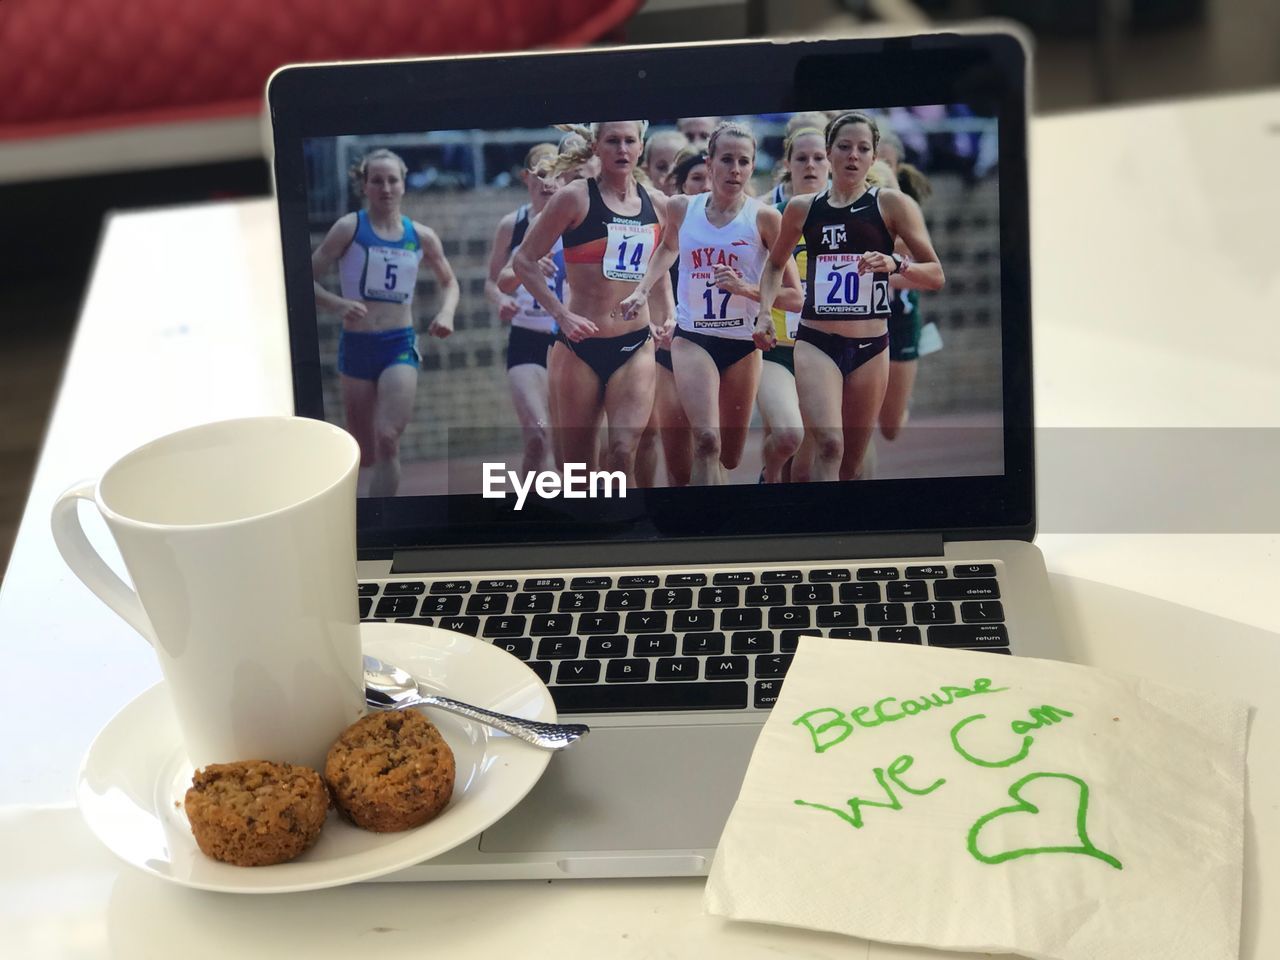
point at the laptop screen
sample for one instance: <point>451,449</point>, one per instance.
<point>540,315</point>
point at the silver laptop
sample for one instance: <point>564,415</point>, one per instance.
<point>462,238</point>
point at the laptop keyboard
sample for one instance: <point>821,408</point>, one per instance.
<point>641,642</point>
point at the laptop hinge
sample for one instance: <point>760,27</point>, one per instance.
<point>561,556</point>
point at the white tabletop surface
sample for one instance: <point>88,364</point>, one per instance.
<point>1156,299</point>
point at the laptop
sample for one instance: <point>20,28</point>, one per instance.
<point>665,614</point>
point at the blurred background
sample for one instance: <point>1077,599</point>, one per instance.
<point>114,106</point>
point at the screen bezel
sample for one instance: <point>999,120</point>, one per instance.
<point>683,80</point>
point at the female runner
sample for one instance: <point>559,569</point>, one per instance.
<point>807,170</point>
<point>531,326</point>
<point>378,250</point>
<point>721,239</point>
<point>688,178</point>
<point>660,156</point>
<point>602,362</point>
<point>849,231</point>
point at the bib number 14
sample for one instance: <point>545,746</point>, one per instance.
<point>628,252</point>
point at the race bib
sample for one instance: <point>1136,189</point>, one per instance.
<point>628,252</point>
<point>838,288</point>
<point>390,274</point>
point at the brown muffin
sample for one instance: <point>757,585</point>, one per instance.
<point>390,771</point>
<point>253,813</point>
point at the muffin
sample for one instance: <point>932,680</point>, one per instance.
<point>390,771</point>
<point>254,813</point>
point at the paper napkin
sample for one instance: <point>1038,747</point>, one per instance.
<point>968,801</point>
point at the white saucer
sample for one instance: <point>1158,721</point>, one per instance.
<point>133,778</point>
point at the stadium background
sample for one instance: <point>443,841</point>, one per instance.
<point>461,183</point>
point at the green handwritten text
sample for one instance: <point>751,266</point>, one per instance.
<point>829,726</point>
<point>1042,716</point>
<point>893,773</point>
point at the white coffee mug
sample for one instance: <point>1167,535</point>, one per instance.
<point>239,537</point>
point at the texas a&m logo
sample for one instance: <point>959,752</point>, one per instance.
<point>834,234</point>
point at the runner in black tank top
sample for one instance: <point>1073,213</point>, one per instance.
<point>841,358</point>
<point>602,365</point>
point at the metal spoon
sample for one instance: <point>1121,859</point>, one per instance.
<point>387,687</point>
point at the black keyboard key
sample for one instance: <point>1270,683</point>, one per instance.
<point>899,635</point>
<point>579,601</point>
<point>487,603</point>
<point>578,671</point>
<point>982,611</point>
<point>655,645</point>
<point>442,606</point>
<point>548,624</point>
<point>829,575</point>
<point>849,633</point>
<point>594,698</point>
<point>727,668</point>
<point>788,640</point>
<point>606,647</point>
<point>752,641</point>
<point>403,588</point>
<point>877,573</point>
<point>686,580</point>
<point>1004,650</point>
<point>521,647</point>
<point>646,621</point>
<point>743,618</point>
<point>702,644</point>
<point>677,598</point>
<point>969,635</point>
<point>598,623</point>
<point>591,583</point>
<point>718,597</point>
<point>885,614</point>
<point>693,620</point>
<point>624,600</point>
<point>859,593</point>
<point>906,590</point>
<point>533,603</point>
<point>966,590</point>
<point>559,648</point>
<point>766,596</point>
<point>773,666</point>
<point>788,617</point>
<point>812,593</point>
<point>931,571</point>
<point>539,584</point>
<point>498,586</point>
<point>396,607</point>
<point>504,626</point>
<point>738,578</point>
<point>676,668</point>
<point>627,583</point>
<point>448,586</point>
<point>974,570</point>
<point>838,616</point>
<point>627,671</point>
<point>933,612</point>
<point>368,590</point>
<point>766,693</point>
<point>781,576</point>
<point>542,669</point>
<point>418,621</point>
<point>366,606</point>
<point>467,625</point>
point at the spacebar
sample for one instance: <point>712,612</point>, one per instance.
<point>635,697</point>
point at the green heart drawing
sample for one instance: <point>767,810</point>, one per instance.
<point>1024,806</point>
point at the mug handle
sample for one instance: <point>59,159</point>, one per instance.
<point>85,563</point>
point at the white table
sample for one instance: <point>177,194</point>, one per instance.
<point>1156,300</point>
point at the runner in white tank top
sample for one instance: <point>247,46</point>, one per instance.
<point>721,239</point>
